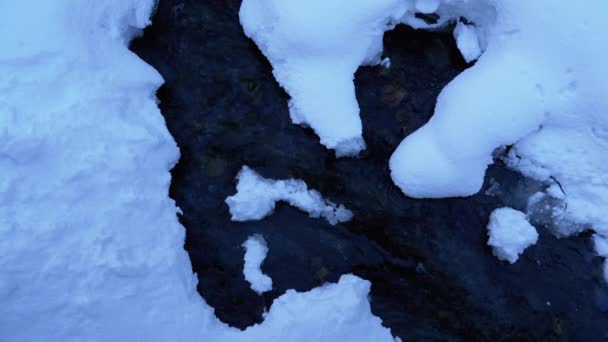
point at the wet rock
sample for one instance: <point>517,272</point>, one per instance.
<point>433,276</point>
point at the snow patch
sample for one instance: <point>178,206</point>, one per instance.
<point>256,197</point>
<point>255,253</point>
<point>333,312</point>
<point>510,234</point>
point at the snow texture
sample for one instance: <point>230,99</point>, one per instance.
<point>91,248</point>
<point>539,85</point>
<point>255,253</point>
<point>467,41</point>
<point>256,198</point>
<point>510,234</point>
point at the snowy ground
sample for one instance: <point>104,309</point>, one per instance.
<point>91,248</point>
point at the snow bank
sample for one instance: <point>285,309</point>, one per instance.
<point>90,247</point>
<point>510,234</point>
<point>256,197</point>
<point>255,253</point>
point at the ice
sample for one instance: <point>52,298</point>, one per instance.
<point>255,253</point>
<point>256,198</point>
<point>91,248</point>
<point>510,234</point>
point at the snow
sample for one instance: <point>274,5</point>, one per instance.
<point>601,247</point>
<point>510,234</point>
<point>333,312</point>
<point>538,86</point>
<point>315,47</point>
<point>91,247</point>
<point>427,6</point>
<point>467,41</point>
<point>255,253</point>
<point>256,198</point>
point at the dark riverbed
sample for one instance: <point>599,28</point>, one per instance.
<point>433,276</point>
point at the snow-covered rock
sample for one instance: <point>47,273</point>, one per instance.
<point>255,253</point>
<point>510,234</point>
<point>256,198</point>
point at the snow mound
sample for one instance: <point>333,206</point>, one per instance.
<point>540,86</point>
<point>256,198</point>
<point>333,312</point>
<point>510,234</point>
<point>91,247</point>
<point>316,46</point>
<point>255,253</point>
<point>467,41</point>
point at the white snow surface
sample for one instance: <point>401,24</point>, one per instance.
<point>256,198</point>
<point>467,41</point>
<point>510,233</point>
<point>315,47</point>
<point>90,246</point>
<point>539,84</point>
<point>255,253</point>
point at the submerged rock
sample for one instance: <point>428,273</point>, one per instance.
<point>432,274</point>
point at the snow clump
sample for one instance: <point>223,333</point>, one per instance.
<point>255,253</point>
<point>256,198</point>
<point>510,234</point>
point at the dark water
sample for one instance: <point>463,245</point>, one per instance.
<point>433,276</point>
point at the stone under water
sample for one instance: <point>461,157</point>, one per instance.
<point>433,276</point>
